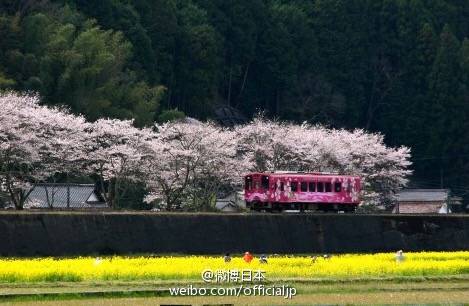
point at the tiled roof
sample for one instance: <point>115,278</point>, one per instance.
<point>229,116</point>
<point>423,195</point>
<point>64,196</point>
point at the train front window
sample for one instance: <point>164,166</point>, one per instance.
<point>328,187</point>
<point>303,186</point>
<point>248,183</point>
<point>337,186</point>
<point>265,182</point>
<point>294,186</point>
<point>312,187</point>
<point>320,187</point>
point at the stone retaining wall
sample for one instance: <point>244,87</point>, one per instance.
<point>64,234</point>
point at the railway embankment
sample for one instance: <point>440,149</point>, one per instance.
<point>92,233</point>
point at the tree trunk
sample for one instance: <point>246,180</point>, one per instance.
<point>243,85</point>
<point>229,85</point>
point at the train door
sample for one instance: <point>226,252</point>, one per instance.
<point>265,182</point>
<point>248,183</point>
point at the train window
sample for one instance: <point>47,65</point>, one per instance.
<point>320,187</point>
<point>312,187</point>
<point>328,187</point>
<point>337,186</point>
<point>248,183</point>
<point>282,186</point>
<point>294,186</point>
<point>349,186</point>
<point>265,182</point>
<point>303,186</point>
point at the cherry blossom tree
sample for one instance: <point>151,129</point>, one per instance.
<point>115,153</point>
<point>220,170</point>
<point>36,142</point>
<point>194,162</point>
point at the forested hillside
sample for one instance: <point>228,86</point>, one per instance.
<point>400,67</point>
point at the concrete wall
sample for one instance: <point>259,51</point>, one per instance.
<point>59,234</point>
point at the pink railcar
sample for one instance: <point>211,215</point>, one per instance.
<point>312,191</point>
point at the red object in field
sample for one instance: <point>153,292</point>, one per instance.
<point>248,257</point>
<point>316,191</point>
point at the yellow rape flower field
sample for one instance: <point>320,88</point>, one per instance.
<point>118,268</point>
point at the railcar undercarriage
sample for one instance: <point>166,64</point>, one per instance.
<point>302,207</point>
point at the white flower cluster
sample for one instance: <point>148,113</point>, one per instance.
<point>181,163</point>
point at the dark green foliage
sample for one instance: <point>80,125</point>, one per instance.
<point>400,67</point>
<point>132,196</point>
<point>170,115</point>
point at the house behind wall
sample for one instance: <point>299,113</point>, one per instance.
<point>422,201</point>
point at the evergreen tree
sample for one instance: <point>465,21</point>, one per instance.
<point>444,116</point>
